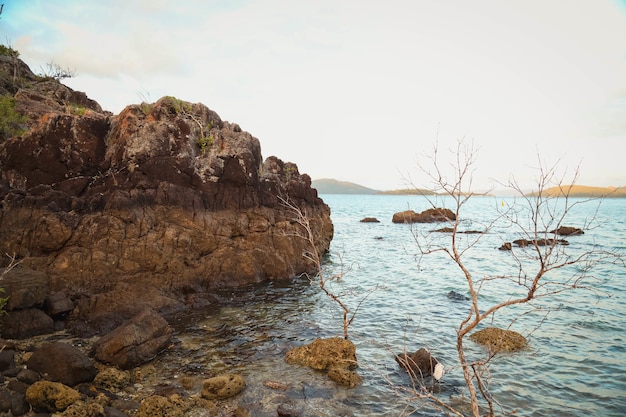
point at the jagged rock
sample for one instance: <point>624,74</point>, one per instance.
<point>432,215</point>
<point>63,363</point>
<point>165,195</point>
<point>20,324</point>
<point>222,386</point>
<point>134,342</point>
<point>499,340</point>
<point>51,396</point>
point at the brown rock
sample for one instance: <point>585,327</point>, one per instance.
<point>335,355</point>
<point>432,215</point>
<point>222,386</point>
<point>57,303</point>
<point>568,231</point>
<point>51,396</point>
<point>324,354</point>
<point>499,340</point>
<point>21,324</point>
<point>370,220</point>
<point>112,379</point>
<point>24,287</point>
<point>419,364</point>
<point>63,363</point>
<point>135,342</point>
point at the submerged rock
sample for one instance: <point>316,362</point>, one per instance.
<point>222,386</point>
<point>335,355</point>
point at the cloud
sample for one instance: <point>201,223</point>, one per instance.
<point>317,81</point>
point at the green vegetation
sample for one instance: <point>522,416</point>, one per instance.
<point>8,51</point>
<point>205,142</point>
<point>77,110</point>
<point>11,122</point>
<point>177,105</point>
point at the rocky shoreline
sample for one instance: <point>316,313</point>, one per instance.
<point>114,224</point>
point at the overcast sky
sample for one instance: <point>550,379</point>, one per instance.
<point>360,90</point>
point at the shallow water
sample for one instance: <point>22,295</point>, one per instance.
<point>575,364</point>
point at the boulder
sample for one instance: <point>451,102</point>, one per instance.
<point>568,231</point>
<point>24,287</point>
<point>51,396</point>
<point>433,215</point>
<point>112,379</point>
<point>497,340</point>
<point>222,386</point>
<point>63,363</point>
<point>420,364</point>
<point>137,341</point>
<point>57,304</point>
<point>335,355</point>
<point>21,324</point>
<point>370,220</point>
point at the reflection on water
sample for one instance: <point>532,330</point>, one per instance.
<point>574,365</point>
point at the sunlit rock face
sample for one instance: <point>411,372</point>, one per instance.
<point>165,194</point>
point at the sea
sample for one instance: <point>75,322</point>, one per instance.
<point>405,292</point>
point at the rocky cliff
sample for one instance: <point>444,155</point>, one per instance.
<point>163,196</point>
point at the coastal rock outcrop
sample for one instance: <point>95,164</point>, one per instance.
<point>432,215</point>
<point>164,195</point>
<point>497,340</point>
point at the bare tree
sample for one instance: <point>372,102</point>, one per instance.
<point>531,273</point>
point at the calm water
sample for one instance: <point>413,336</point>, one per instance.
<point>575,364</point>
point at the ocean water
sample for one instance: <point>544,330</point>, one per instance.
<point>574,365</point>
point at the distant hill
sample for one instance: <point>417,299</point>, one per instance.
<point>586,191</point>
<point>330,186</point>
<point>409,191</point>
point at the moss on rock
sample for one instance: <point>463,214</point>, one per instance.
<point>499,340</point>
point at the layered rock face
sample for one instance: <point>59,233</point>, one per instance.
<point>165,195</point>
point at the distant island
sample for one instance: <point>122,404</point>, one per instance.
<point>332,186</point>
<point>586,191</point>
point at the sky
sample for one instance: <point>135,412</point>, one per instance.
<point>363,91</point>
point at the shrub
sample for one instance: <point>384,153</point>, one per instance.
<point>8,51</point>
<point>11,122</point>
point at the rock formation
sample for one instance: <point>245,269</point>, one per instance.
<point>432,215</point>
<point>164,195</point>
